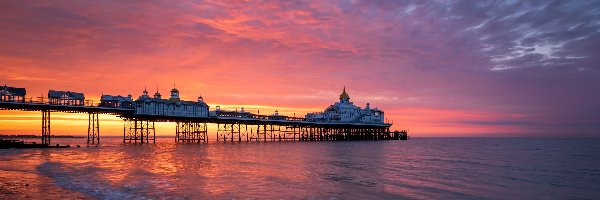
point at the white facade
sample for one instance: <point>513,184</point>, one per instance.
<point>173,106</point>
<point>345,111</point>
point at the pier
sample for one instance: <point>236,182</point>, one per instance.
<point>191,119</point>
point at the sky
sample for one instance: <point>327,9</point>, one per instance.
<point>437,68</point>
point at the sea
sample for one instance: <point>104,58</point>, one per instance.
<point>420,168</point>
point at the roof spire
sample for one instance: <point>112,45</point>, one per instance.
<point>157,94</point>
<point>344,96</point>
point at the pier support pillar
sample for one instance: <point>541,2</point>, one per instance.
<point>233,132</point>
<point>191,132</point>
<point>138,130</point>
<point>46,127</point>
<point>93,128</point>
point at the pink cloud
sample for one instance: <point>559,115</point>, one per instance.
<point>431,60</point>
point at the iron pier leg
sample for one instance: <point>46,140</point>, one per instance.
<point>89,124</point>
<point>265,132</point>
<point>153,133</point>
<point>141,128</point>
<point>98,128</point>
<point>46,127</point>
<point>218,128</point>
<point>93,128</point>
<point>147,131</point>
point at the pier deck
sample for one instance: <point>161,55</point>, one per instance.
<point>140,127</point>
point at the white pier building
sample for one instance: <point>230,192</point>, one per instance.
<point>345,111</point>
<point>174,106</point>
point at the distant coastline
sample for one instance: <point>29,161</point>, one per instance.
<point>38,136</point>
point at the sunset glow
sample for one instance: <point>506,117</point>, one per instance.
<point>435,69</point>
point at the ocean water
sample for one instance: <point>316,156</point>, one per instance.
<point>421,168</point>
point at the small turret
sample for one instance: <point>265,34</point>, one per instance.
<point>344,97</point>
<point>157,94</point>
<point>174,94</point>
<point>145,92</point>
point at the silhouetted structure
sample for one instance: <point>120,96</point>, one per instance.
<point>19,144</point>
<point>341,121</point>
<point>66,98</point>
<point>276,116</point>
<point>12,94</point>
<point>116,101</point>
<point>226,113</point>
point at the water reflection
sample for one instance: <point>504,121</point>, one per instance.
<point>421,169</point>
